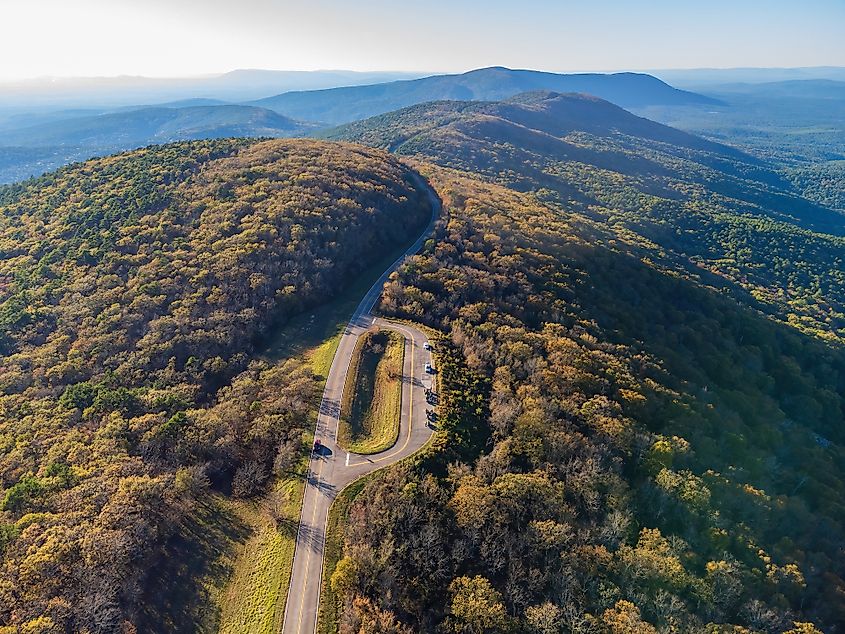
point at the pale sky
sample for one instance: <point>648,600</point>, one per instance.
<point>188,37</point>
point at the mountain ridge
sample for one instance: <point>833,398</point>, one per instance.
<point>693,200</point>
<point>341,105</point>
<point>152,124</point>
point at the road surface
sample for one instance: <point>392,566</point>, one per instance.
<point>333,468</point>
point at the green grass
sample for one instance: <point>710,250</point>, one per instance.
<point>255,596</point>
<point>372,395</point>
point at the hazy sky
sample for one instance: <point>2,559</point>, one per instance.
<point>182,37</point>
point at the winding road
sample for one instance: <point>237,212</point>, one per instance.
<point>334,468</point>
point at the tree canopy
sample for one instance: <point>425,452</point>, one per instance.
<point>134,292</point>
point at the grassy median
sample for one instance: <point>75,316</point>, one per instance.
<point>372,395</point>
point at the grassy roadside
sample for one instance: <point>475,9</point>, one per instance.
<point>256,593</point>
<point>255,584</point>
<point>372,395</point>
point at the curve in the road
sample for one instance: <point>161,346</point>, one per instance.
<point>333,469</point>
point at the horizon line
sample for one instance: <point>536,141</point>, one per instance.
<point>417,73</point>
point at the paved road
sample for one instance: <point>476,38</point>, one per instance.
<point>334,468</point>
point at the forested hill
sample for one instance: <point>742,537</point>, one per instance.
<point>142,126</point>
<point>46,145</point>
<point>645,378</point>
<point>133,290</point>
<point>340,105</point>
<point>655,457</point>
<point>694,205</point>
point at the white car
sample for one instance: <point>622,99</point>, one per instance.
<point>428,369</point>
<point>427,346</point>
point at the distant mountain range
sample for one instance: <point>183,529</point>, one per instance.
<point>235,86</point>
<point>792,122</point>
<point>700,78</point>
<point>33,140</point>
<point>130,128</point>
<point>342,105</point>
<point>64,138</point>
<point>791,88</point>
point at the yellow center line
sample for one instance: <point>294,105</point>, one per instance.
<point>308,560</point>
<point>410,336</point>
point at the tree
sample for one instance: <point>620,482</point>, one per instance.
<point>545,618</point>
<point>249,479</point>
<point>367,618</point>
<point>624,618</point>
<point>286,456</point>
<point>344,579</point>
<point>476,606</point>
<point>803,627</point>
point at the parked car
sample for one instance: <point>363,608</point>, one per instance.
<point>427,346</point>
<point>429,369</point>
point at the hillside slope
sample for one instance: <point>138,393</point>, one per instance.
<point>133,291</point>
<point>647,430</point>
<point>699,206</point>
<point>339,105</point>
<point>653,453</point>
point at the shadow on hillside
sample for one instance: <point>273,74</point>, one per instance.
<point>712,336</point>
<point>193,566</point>
<point>320,323</point>
<point>761,403</point>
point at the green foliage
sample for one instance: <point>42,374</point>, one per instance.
<point>135,291</point>
<point>62,473</point>
<point>8,533</point>
<point>476,606</point>
<point>175,424</point>
<point>22,494</point>
<point>78,395</point>
<point>462,412</point>
<point>656,452</point>
<point>823,183</point>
